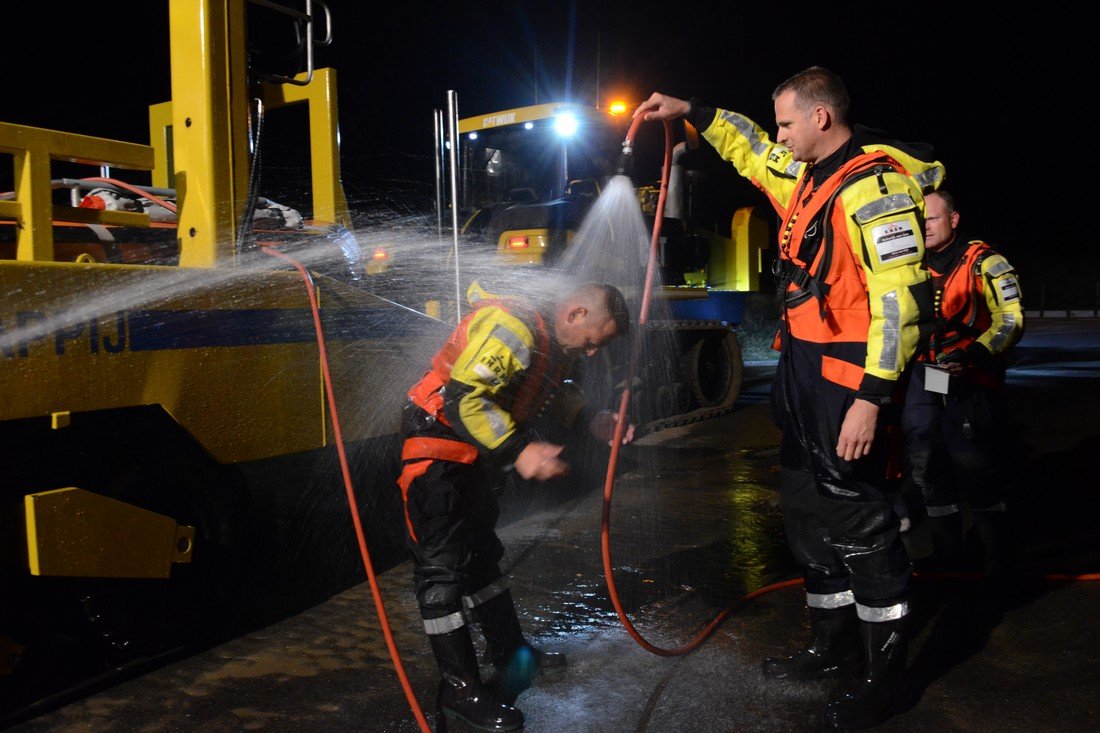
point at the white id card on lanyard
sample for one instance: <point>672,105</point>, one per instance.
<point>936,379</point>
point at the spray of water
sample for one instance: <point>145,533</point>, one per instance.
<point>611,245</point>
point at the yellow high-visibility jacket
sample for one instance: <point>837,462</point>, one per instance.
<point>494,375</point>
<point>850,250</point>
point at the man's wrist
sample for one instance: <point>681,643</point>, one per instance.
<point>876,390</point>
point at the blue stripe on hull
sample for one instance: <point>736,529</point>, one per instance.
<point>156,330</point>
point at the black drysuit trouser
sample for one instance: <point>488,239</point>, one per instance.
<point>456,551</point>
<point>838,514</point>
<point>955,443</point>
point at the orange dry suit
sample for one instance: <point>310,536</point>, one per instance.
<point>463,424</point>
<point>955,439</point>
<point>978,310</point>
<point>851,242</point>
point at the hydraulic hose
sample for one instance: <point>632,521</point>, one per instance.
<point>353,505</point>
<point>144,192</point>
<point>244,226</point>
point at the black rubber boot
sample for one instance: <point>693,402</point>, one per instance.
<point>461,694</point>
<point>833,651</point>
<point>882,692</point>
<point>517,662</point>
<point>992,529</point>
<point>946,535</point>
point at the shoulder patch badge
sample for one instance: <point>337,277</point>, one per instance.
<point>895,240</point>
<point>1009,288</point>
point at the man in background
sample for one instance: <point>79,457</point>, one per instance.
<point>954,418</point>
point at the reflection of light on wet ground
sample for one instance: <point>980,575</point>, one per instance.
<point>582,608</point>
<point>675,540</point>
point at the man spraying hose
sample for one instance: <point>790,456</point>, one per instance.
<point>854,296</point>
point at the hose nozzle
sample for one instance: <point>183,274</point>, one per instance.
<point>626,159</point>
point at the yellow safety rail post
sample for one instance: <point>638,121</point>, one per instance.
<point>209,126</point>
<point>751,238</point>
<point>329,203</point>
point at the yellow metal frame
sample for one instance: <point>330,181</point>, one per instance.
<point>201,135</point>
<point>75,533</point>
<point>736,263</point>
<point>33,150</point>
<point>209,126</point>
<point>160,138</point>
<point>329,204</point>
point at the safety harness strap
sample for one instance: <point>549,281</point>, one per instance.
<point>418,454</point>
<point>808,285</point>
<point>427,394</point>
<point>410,473</point>
<point>439,448</point>
<point>808,280</point>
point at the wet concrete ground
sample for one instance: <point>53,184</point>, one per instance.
<point>694,526</point>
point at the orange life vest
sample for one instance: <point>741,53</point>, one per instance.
<point>960,315</point>
<point>826,291</point>
<point>418,452</point>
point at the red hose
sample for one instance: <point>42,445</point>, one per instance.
<point>168,206</point>
<point>379,604</point>
<point>353,505</point>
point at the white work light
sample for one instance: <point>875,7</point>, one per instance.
<point>565,124</point>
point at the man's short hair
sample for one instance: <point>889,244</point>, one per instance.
<point>612,299</point>
<point>817,85</point>
<point>948,199</point>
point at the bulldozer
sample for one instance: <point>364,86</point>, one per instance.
<point>171,474</point>
<point>528,177</point>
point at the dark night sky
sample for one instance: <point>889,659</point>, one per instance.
<point>1000,94</point>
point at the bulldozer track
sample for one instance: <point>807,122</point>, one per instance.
<point>728,398</point>
<point>687,418</point>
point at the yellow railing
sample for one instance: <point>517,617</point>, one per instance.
<point>33,149</point>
